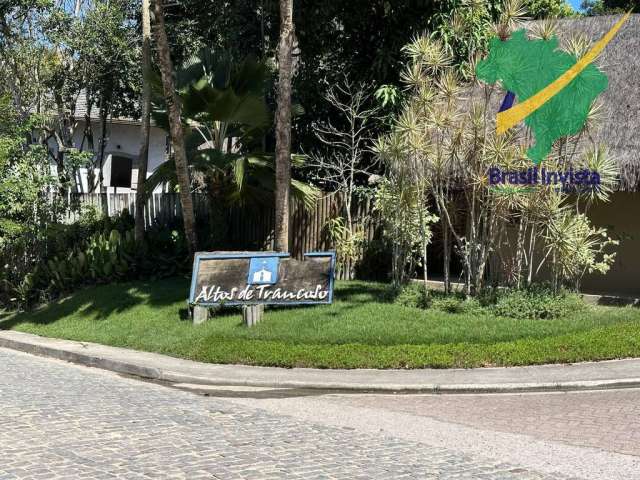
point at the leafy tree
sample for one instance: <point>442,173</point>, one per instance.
<point>24,61</point>
<point>608,7</point>
<point>56,51</point>
<point>407,224</point>
<point>108,73</point>
<point>26,207</point>
<point>549,8</point>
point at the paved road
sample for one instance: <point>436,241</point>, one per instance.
<point>59,420</point>
<point>607,420</point>
<point>63,421</point>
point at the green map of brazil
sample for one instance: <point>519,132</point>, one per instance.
<point>525,67</point>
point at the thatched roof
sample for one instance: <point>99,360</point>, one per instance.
<point>619,128</point>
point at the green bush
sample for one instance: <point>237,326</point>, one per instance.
<point>94,249</point>
<point>536,303</point>
<point>411,295</point>
<point>450,304</point>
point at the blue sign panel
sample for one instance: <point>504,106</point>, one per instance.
<point>263,271</point>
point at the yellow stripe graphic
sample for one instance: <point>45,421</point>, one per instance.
<point>511,117</point>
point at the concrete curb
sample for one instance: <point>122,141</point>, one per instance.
<point>35,345</point>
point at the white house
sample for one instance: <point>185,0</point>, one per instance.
<point>122,147</point>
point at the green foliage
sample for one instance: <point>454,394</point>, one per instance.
<point>104,258</point>
<point>537,303</point>
<point>608,7</point>
<point>549,9</point>
<point>98,53</point>
<point>576,247</point>
<point>453,303</point>
<point>443,143</point>
<point>406,223</point>
<point>225,119</point>
<point>348,243</point>
<point>359,38</point>
<point>388,95</point>
<point>26,205</point>
<point>412,295</point>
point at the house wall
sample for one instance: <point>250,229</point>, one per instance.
<point>122,139</point>
<point>621,216</point>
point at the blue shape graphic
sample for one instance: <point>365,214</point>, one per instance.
<point>507,103</point>
<point>263,271</point>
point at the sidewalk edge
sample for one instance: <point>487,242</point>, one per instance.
<point>168,376</point>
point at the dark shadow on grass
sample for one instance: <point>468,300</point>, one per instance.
<point>98,302</point>
<point>350,296</point>
<point>618,301</point>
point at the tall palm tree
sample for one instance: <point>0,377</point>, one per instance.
<point>283,126</point>
<point>175,126</point>
<point>143,157</point>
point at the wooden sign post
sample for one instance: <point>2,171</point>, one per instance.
<point>255,279</point>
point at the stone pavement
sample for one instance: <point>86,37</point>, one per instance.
<point>63,421</point>
<point>608,420</point>
<point>592,435</point>
<point>587,375</point>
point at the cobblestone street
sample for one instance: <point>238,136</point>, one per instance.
<point>59,420</point>
<point>64,421</point>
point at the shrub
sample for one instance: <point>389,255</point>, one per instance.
<point>536,303</point>
<point>411,295</point>
<point>449,304</point>
<point>94,249</point>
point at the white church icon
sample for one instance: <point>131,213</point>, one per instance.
<point>262,276</point>
<point>263,270</point>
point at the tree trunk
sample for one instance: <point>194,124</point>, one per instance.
<point>103,139</point>
<point>283,126</point>
<point>175,126</point>
<point>143,157</point>
<point>423,227</point>
<point>446,257</point>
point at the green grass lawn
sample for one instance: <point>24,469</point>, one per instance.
<point>360,330</point>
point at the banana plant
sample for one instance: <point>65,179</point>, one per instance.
<point>225,117</point>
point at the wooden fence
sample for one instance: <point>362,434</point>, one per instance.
<point>247,227</point>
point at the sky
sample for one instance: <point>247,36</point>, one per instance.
<point>575,4</point>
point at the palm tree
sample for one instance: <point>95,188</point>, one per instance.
<point>143,158</point>
<point>283,126</point>
<point>175,127</point>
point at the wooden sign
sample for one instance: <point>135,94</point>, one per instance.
<point>254,278</point>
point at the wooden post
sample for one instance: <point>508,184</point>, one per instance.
<point>252,314</point>
<point>200,314</point>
